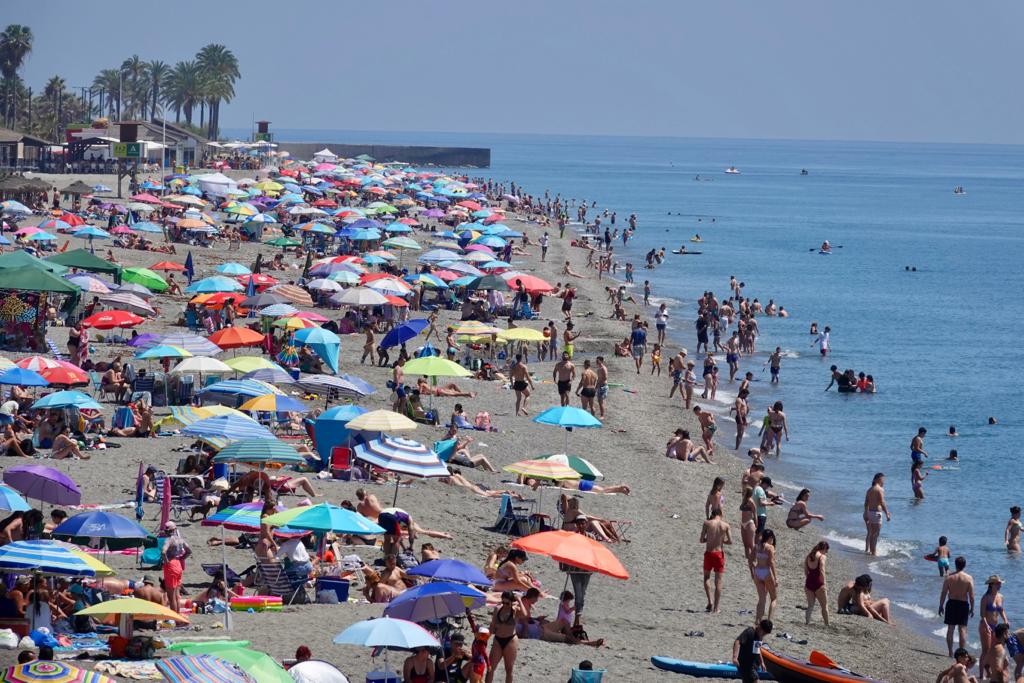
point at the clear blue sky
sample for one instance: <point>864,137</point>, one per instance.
<point>914,70</point>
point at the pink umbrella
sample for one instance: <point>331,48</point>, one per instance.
<point>165,504</point>
<point>122,230</point>
<point>310,316</point>
<point>480,247</point>
<point>24,232</point>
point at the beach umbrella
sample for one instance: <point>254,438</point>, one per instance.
<point>334,387</point>
<point>145,277</point>
<point>163,351</point>
<point>12,500</point>
<point>201,365</point>
<point>402,456</point>
<point>381,421</point>
<point>245,517</point>
<point>194,344</point>
<point>324,343</point>
<point>215,283</point>
<point>475,328</point>
<point>262,300</point>
<point>129,302</point>
<point>296,295</point>
<point>91,232</point>
<point>67,399</point>
<point>526,334</point>
<point>99,524</point>
<point>248,364</point>
<point>261,667</point>
<point>147,226</point>
<point>542,469</point>
<point>390,286</point>
<point>567,417</point>
<point>275,403</point>
<point>387,633</point>
<point>167,266</point>
<point>233,269</point>
<point>316,671</point>
<point>200,669</point>
<point>435,255</point>
<point>50,671</point>
<point>42,237</point>
<point>575,550</point>
<point>65,376</point>
<point>359,296</point>
<point>259,452</point>
<point>344,277</point>
<point>449,569</point>
<point>275,375</point>
<point>241,387</point>
<point>108,320</point>
<point>400,334</point>
<point>531,283</point>
<point>229,427</point>
<point>22,377</point>
<point>294,323</point>
<point>432,601</point>
<point>325,285</point>
<point>144,341</point>
<point>324,517</point>
<point>585,468</point>
<point>37,363</point>
<point>283,242</point>
<point>89,284</point>
<point>42,483</point>
<point>236,337</point>
<point>276,310</point>
<point>14,207</point>
<point>435,366</point>
<point>48,557</point>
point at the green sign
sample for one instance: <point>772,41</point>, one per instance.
<point>128,150</point>
<point>262,137</point>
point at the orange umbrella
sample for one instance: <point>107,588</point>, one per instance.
<point>575,550</point>
<point>168,266</point>
<point>236,337</point>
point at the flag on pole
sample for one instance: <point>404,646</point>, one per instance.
<point>190,271</point>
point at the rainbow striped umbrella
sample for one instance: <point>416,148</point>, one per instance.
<point>51,672</point>
<point>201,669</point>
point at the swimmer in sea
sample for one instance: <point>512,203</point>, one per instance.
<point>952,431</point>
<point>874,508</point>
<point>953,455</point>
<point>917,451</point>
<point>1011,536</point>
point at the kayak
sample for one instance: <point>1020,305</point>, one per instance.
<point>687,252</point>
<point>790,670</point>
<point>694,239</point>
<point>702,669</point>
<point>825,253</point>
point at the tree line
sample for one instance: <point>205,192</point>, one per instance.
<point>193,89</point>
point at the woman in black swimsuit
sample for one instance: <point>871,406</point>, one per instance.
<point>503,627</point>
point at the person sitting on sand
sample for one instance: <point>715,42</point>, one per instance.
<point>143,427</point>
<point>509,577</point>
<point>573,517</point>
<point>375,590</point>
<point>682,448</point>
<point>567,270</point>
<point>393,575</point>
<point>855,598</point>
<point>450,389</point>
<point>538,627</point>
<point>66,447</point>
<point>799,516</point>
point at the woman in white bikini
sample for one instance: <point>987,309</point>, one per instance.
<point>765,578</point>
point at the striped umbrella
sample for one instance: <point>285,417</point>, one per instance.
<point>259,452</point>
<point>274,403</point>
<point>584,467</point>
<point>183,416</point>
<point>334,387</point>
<point>164,351</point>
<point>543,469</point>
<point>403,456</point>
<point>324,517</point>
<point>46,557</point>
<point>90,284</point>
<point>296,295</point>
<point>241,387</point>
<point>382,421</point>
<point>201,669</point>
<point>276,375</point>
<point>194,344</point>
<point>230,427</point>
<point>129,301</point>
<point>246,517</point>
<point>48,671</point>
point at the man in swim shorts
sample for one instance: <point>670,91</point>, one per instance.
<point>917,451</point>
<point>587,388</point>
<point>732,354</point>
<point>956,603</point>
<point>522,383</point>
<point>676,367</point>
<point>563,375</point>
<point>714,535</point>
<point>638,344</point>
<point>874,507</point>
<point>602,384</point>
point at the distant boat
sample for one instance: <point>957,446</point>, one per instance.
<point>959,189</point>
<point>803,171</point>
<point>732,170</point>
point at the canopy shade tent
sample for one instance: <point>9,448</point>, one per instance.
<point>83,260</point>
<point>20,259</point>
<point>34,279</point>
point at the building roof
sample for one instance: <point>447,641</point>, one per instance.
<point>7,135</point>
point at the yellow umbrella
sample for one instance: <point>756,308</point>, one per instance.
<point>133,606</point>
<point>269,185</point>
<point>249,363</point>
<point>543,469</point>
<point>381,421</point>
<point>527,334</point>
<point>294,323</point>
<point>6,364</point>
<point>100,568</point>
<point>474,327</point>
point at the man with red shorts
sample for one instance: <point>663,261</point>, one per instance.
<point>714,535</point>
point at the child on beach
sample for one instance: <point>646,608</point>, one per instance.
<point>656,360</point>
<point>941,556</point>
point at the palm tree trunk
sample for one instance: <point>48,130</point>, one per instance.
<point>202,113</point>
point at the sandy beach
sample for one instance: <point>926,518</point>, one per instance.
<point>658,611</point>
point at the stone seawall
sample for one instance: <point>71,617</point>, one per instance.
<point>478,157</point>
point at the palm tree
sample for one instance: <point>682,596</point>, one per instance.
<point>15,44</point>
<point>134,86</point>
<point>220,69</point>
<point>53,94</point>
<point>108,82</point>
<point>183,89</point>
<point>158,72</point>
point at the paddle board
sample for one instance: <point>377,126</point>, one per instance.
<point>702,669</point>
<point>686,253</point>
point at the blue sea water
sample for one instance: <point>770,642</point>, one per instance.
<point>940,342</point>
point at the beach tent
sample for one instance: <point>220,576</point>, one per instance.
<point>34,279</point>
<point>216,184</point>
<point>323,343</point>
<point>325,156</point>
<point>83,260</point>
<point>20,259</point>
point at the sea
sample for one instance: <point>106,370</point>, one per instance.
<point>917,293</point>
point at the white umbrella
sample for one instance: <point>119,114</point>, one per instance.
<point>201,364</point>
<point>359,296</point>
<point>131,302</point>
<point>325,285</point>
<point>387,285</point>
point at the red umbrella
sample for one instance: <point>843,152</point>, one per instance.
<point>575,550</point>
<point>65,376</point>
<point>371,277</point>
<point>470,204</point>
<point>147,198</point>
<point>309,315</point>
<point>236,337</point>
<point>396,301</point>
<point>165,504</point>
<point>108,320</point>
<point>167,266</point>
<point>532,283</point>
<point>74,220</point>
<point>258,279</point>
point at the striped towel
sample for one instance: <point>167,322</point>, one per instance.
<point>54,349</point>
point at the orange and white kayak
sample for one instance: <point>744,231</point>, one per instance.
<point>818,670</point>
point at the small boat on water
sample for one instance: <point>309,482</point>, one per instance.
<point>732,170</point>
<point>959,189</point>
<point>820,669</point>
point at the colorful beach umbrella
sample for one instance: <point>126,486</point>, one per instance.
<point>575,550</point>
<point>432,601</point>
<point>201,669</point>
<point>51,671</point>
<point>542,469</point>
<point>259,452</point>
<point>47,557</point>
<point>67,399</point>
<point>324,517</point>
<point>229,427</point>
<point>163,351</point>
<point>324,344</point>
<point>584,467</point>
<point>236,337</point>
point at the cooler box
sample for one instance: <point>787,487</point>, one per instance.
<point>221,470</point>
<point>383,677</point>
<point>339,586</point>
<point>295,373</point>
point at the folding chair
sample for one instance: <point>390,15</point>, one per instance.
<point>274,580</point>
<point>341,462</point>
<point>583,676</point>
<point>511,519</point>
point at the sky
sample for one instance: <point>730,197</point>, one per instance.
<point>912,70</point>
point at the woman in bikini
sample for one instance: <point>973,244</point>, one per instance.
<point>814,581</point>
<point>778,425</point>
<point>716,499</point>
<point>799,516</point>
<point>991,612</point>
<point>748,525</point>
<point>765,578</point>
<point>508,576</point>
<point>503,627</point>
<point>375,589</point>
<point>1011,537</point>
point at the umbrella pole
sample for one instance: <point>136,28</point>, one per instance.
<point>224,575</point>
<point>398,477</point>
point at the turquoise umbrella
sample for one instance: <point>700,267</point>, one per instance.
<point>324,343</point>
<point>259,452</point>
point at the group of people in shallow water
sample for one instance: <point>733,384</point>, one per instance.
<point>851,382</point>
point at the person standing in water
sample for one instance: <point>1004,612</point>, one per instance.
<point>917,478</point>
<point>1011,537</point>
<point>824,341</point>
<point>917,451</point>
<point>775,364</point>
<point>956,603</point>
<point>874,508</point>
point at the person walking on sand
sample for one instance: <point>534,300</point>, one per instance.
<point>742,411</point>
<point>766,580</point>
<point>569,337</point>
<point>956,602</point>
<point>563,375</point>
<point>814,581</point>
<point>638,344</point>
<point>544,240</point>
<point>602,384</point>
<point>715,534</point>
<point>874,508</point>
<point>522,383</point>
<point>707,428</point>
<point>661,322</point>
<point>1011,536</point>
<point>587,388</point>
<point>746,651</point>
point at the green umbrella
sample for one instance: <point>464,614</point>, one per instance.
<point>583,467</point>
<point>259,665</point>
<point>284,242</point>
<point>488,282</point>
<point>259,452</point>
<point>402,243</point>
<point>145,277</point>
<point>435,366</point>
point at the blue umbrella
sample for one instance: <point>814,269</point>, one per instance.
<point>324,343</point>
<point>451,570</point>
<point>568,417</point>
<point>237,387</point>
<point>431,601</point>
<point>386,632</point>
<point>22,377</point>
<point>233,269</point>
<point>100,524</point>
<point>325,517</point>
<point>100,187</point>
<point>146,226</point>
<point>12,500</point>
<point>278,310</point>
<point>359,235</point>
<point>230,427</point>
<point>67,399</point>
<point>216,283</point>
<point>46,557</point>
<point>91,232</point>
<point>404,332</point>
<point>364,387</point>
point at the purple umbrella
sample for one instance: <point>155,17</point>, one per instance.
<point>433,213</point>
<point>144,340</point>
<point>44,484</point>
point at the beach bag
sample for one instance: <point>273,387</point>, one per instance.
<point>482,422</point>
<point>8,639</point>
<point>139,647</point>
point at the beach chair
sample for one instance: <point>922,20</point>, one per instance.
<point>55,350</point>
<point>274,580</point>
<point>511,519</point>
<point>584,676</point>
<point>186,389</point>
<point>341,462</point>
<point>96,379</point>
<point>142,390</point>
<point>151,556</point>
